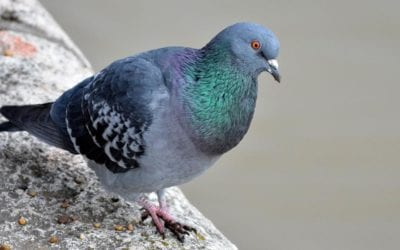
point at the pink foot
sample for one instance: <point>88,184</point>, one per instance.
<point>160,215</point>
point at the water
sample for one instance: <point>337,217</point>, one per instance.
<point>319,168</point>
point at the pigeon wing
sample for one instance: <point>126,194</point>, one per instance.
<point>107,118</point>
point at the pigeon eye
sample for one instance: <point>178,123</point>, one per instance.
<point>255,44</point>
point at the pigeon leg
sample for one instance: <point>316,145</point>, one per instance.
<point>159,214</point>
<point>151,210</point>
<point>177,228</point>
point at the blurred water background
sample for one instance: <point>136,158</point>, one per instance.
<point>320,167</point>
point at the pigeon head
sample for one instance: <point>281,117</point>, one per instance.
<point>220,94</point>
<point>253,48</point>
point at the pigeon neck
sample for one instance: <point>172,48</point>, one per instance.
<point>219,100</point>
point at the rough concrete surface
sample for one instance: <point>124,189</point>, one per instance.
<point>58,196</point>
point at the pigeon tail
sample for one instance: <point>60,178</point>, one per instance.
<point>36,120</point>
<point>9,127</point>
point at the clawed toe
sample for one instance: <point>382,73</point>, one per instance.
<point>179,230</point>
<point>159,215</point>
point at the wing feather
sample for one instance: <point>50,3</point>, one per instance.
<point>107,118</point>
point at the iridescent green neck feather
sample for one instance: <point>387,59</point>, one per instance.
<point>219,99</point>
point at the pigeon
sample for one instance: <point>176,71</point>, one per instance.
<point>159,118</point>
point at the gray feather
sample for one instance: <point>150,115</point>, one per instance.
<point>9,127</point>
<point>36,120</point>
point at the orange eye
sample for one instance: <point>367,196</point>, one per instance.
<point>255,44</point>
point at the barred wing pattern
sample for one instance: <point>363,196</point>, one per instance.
<point>106,119</point>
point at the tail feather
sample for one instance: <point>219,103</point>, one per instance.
<point>36,120</point>
<point>9,127</point>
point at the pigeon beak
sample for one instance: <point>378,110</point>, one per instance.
<point>274,69</point>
